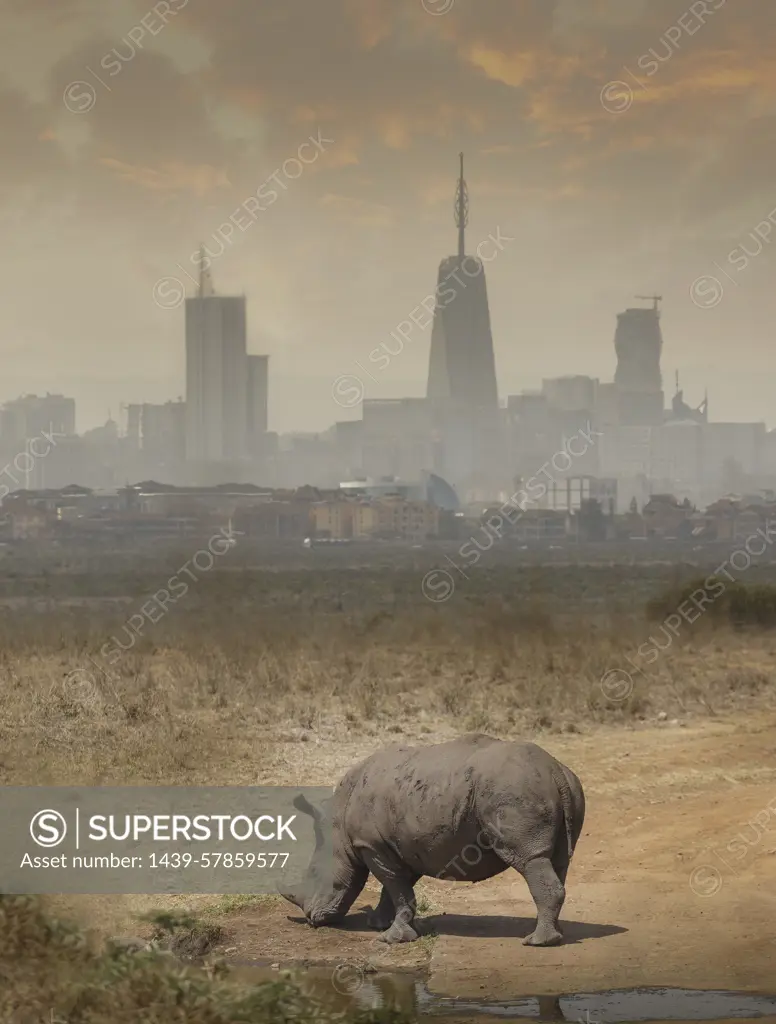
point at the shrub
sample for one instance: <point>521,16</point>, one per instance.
<point>48,972</point>
<point>738,604</point>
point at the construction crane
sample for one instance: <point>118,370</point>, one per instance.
<point>654,299</point>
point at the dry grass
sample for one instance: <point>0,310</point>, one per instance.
<point>221,687</point>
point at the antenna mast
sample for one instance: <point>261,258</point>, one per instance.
<point>461,211</point>
<point>205,280</point>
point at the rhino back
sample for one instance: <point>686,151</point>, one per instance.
<point>423,805</point>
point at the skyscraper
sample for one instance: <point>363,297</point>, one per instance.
<point>29,416</point>
<point>216,374</point>
<point>256,409</point>
<point>638,343</point>
<point>462,386</point>
<point>462,366</point>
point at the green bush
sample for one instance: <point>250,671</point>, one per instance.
<point>738,604</point>
<point>49,974</point>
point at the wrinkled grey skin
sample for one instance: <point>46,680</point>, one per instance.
<point>464,810</point>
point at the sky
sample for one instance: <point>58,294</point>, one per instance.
<point>615,148</point>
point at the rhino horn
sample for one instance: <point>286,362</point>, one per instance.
<point>291,897</point>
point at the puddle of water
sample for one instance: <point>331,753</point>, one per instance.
<point>646,1004</point>
<point>348,987</point>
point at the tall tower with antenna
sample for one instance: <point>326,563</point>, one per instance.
<point>216,373</point>
<point>462,370</point>
<point>462,366</point>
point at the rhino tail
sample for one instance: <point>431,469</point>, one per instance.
<point>568,808</point>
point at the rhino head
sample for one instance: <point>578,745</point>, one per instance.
<point>332,880</point>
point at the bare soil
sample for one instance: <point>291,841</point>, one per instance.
<point>654,896</point>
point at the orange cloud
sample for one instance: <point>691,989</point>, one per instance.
<point>394,132</point>
<point>248,97</point>
<point>373,20</point>
<point>171,177</point>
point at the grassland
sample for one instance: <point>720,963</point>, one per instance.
<point>248,661</point>
<point>262,672</point>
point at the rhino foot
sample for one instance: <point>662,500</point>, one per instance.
<point>379,921</point>
<point>399,931</point>
<point>543,937</point>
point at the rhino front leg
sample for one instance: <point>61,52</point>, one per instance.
<point>382,916</point>
<point>403,897</point>
<point>398,890</point>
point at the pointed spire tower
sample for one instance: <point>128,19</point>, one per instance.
<point>462,387</point>
<point>462,366</point>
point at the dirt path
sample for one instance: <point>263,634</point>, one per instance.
<point>661,892</point>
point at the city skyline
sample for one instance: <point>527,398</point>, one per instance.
<point>609,193</point>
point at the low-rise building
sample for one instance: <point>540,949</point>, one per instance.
<point>333,519</point>
<point>282,520</point>
<point>544,524</point>
<point>30,523</point>
<point>732,518</point>
<point>666,517</point>
<point>395,518</point>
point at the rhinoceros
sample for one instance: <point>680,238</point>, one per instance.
<point>466,809</point>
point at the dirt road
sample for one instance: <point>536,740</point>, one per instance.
<point>673,882</point>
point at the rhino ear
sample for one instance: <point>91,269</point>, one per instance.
<point>303,804</point>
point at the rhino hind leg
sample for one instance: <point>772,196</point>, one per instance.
<point>548,894</point>
<point>535,853</point>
